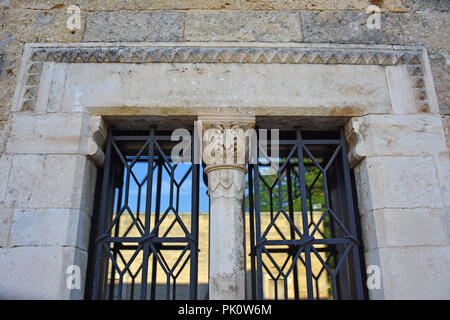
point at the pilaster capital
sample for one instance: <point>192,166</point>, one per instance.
<point>355,141</point>
<point>96,141</point>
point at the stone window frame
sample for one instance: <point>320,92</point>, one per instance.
<point>33,85</point>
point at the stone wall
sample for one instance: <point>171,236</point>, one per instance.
<point>416,22</point>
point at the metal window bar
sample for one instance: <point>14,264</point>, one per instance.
<point>130,240</point>
<point>313,253</point>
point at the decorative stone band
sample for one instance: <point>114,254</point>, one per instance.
<point>226,181</point>
<point>382,55</point>
<point>214,167</point>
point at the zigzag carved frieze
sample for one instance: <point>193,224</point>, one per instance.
<point>270,55</point>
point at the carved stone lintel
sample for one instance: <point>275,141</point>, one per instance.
<point>331,54</point>
<point>96,142</point>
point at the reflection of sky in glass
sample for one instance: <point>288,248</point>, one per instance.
<point>183,203</point>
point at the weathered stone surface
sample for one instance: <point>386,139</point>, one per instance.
<point>403,227</point>
<point>350,27</point>
<point>372,258</point>
<point>226,172</point>
<point>320,5</point>
<point>5,225</point>
<point>64,4</point>
<point>261,89</point>
<point>447,224</point>
<point>226,241</point>
<point>134,26</point>
<point>414,272</point>
<point>446,125</point>
<point>3,130</point>
<point>50,227</point>
<point>9,68</point>
<point>49,133</point>
<point>173,5</point>
<point>50,181</point>
<point>391,135</point>
<point>402,95</point>
<point>279,26</point>
<point>57,87</point>
<point>441,76</point>
<point>40,272</point>
<point>5,166</point>
<point>429,6</point>
<point>397,182</point>
<point>443,166</point>
<point>41,26</point>
<point>5,3</point>
<point>436,38</point>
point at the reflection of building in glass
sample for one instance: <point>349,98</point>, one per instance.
<point>272,288</point>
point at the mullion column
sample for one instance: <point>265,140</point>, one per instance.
<point>226,171</point>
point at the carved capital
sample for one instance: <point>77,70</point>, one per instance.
<point>224,139</point>
<point>96,142</point>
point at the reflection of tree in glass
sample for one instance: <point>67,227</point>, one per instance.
<point>315,203</point>
<point>312,175</point>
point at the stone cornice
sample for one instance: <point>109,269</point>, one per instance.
<point>383,55</point>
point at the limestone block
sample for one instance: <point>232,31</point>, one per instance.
<point>5,3</point>
<point>5,166</point>
<point>443,166</point>
<point>5,225</point>
<point>260,89</point>
<point>397,182</point>
<point>391,5</point>
<point>403,227</point>
<point>350,27</point>
<point>441,75</point>
<point>397,135</point>
<point>412,272</point>
<point>280,26</point>
<point>9,67</point>
<point>400,89</point>
<point>426,6</point>
<point>62,5</point>
<point>437,24</point>
<point>4,128</point>
<point>57,87</point>
<point>447,224</point>
<point>134,26</point>
<point>174,4</point>
<point>446,124</point>
<point>372,259</point>
<point>40,272</point>
<point>42,26</point>
<point>50,227</point>
<point>48,133</point>
<point>51,181</point>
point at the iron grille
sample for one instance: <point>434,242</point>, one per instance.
<point>138,210</point>
<point>304,235</point>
